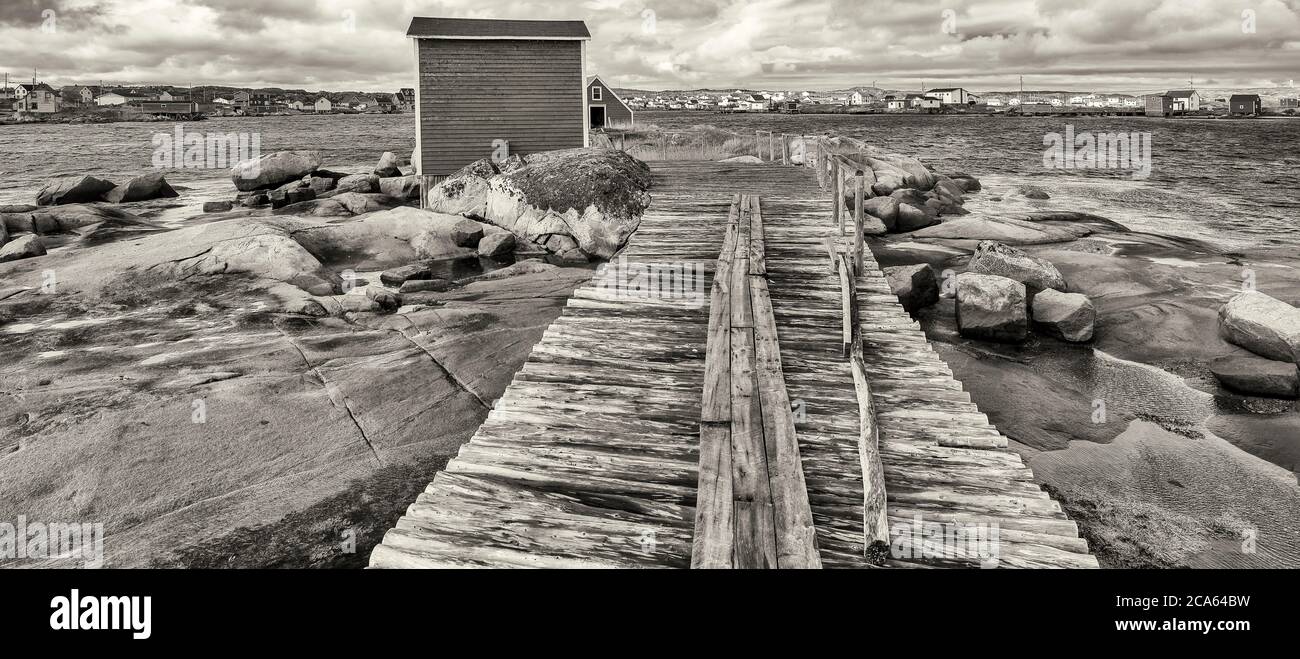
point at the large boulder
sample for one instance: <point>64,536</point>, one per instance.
<point>73,190</point>
<point>1004,230</point>
<point>360,204</point>
<point>1067,316</point>
<point>991,308</point>
<point>401,187</point>
<point>363,183</point>
<point>994,258</point>
<point>142,188</point>
<point>909,196</point>
<point>588,200</point>
<point>912,218</point>
<point>915,285</point>
<point>56,219</point>
<point>967,182</point>
<point>1033,192</point>
<point>1257,376</point>
<point>274,170</point>
<point>467,233</point>
<point>23,247</point>
<point>1263,325</point>
<point>389,166</point>
<point>884,208</point>
<point>497,244</point>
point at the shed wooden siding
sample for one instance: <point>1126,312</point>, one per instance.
<point>476,91</point>
<point>617,113</point>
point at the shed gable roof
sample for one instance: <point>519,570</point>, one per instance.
<point>423,27</point>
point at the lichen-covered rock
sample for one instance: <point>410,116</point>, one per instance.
<point>274,170</point>
<point>594,197</point>
<point>994,258</point>
<point>218,206</point>
<point>1067,316</point>
<point>73,190</point>
<point>915,285</point>
<point>991,308</point>
<point>22,247</point>
<point>1263,325</point>
<point>141,188</point>
<point>1257,376</point>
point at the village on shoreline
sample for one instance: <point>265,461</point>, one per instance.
<point>38,101</point>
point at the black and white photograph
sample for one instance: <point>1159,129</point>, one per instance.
<point>314,287</point>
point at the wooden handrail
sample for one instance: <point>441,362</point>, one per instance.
<point>875,524</point>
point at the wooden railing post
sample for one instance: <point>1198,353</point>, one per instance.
<point>702,156</point>
<point>785,149</point>
<point>771,147</point>
<point>859,196</point>
<point>758,144</point>
<point>837,198</point>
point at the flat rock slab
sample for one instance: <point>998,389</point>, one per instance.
<point>399,276</point>
<point>1257,376</point>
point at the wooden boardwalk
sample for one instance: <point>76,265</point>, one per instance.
<point>592,457</point>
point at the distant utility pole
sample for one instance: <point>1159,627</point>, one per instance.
<point>1022,90</point>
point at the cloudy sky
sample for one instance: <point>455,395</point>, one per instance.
<point>1117,45</point>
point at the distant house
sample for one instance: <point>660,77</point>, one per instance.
<point>406,99</point>
<point>605,108</point>
<point>167,97</point>
<point>1185,100</point>
<point>39,98</point>
<point>1159,105</point>
<point>252,103</point>
<point>1290,103</point>
<point>297,105</point>
<point>1245,104</point>
<point>79,95</point>
<point>952,96</point>
<point>895,104</point>
<point>386,102</point>
<point>109,99</point>
<point>856,98</point>
<point>324,105</point>
<point>994,102</point>
<point>529,76</point>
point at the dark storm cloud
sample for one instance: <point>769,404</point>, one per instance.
<point>360,44</point>
<point>38,13</point>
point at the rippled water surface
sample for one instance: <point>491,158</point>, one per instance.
<point>1232,182</point>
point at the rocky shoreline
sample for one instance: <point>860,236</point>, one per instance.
<point>274,372</point>
<point>1150,381</point>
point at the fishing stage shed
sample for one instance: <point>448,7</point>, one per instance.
<point>489,88</point>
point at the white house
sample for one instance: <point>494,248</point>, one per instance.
<point>221,101</point>
<point>856,98</point>
<point>895,104</point>
<point>952,95</point>
<point>1185,100</point>
<point>297,105</point>
<point>994,102</point>
<point>110,98</point>
<point>323,105</point>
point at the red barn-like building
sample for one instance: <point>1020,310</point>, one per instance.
<point>489,88</point>
<point>605,108</point>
